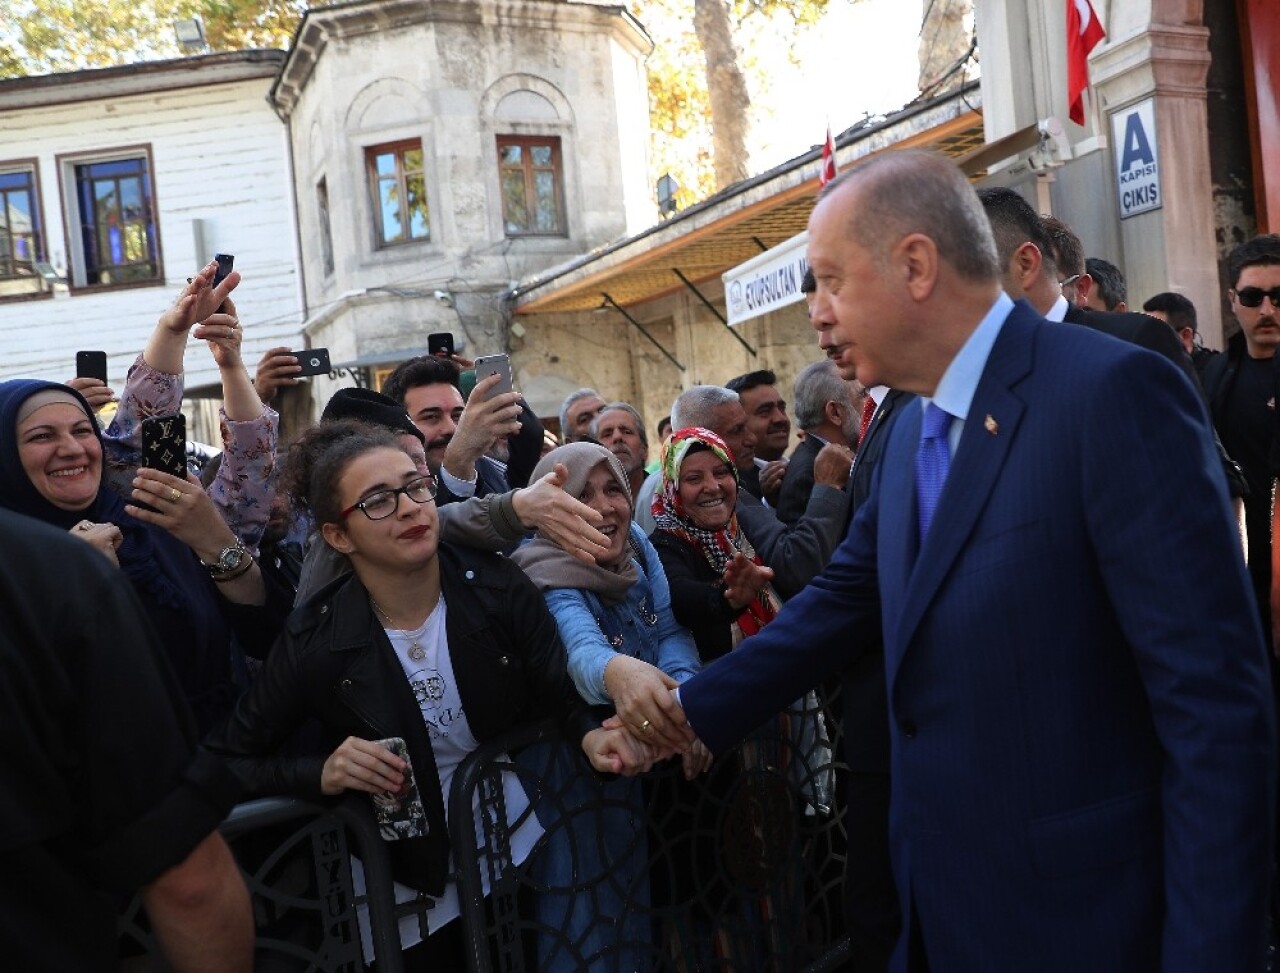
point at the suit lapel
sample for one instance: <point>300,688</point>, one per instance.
<point>984,447</point>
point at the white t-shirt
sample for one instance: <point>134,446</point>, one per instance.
<point>436,689</point>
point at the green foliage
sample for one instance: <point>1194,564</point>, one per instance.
<point>49,36</point>
<point>679,102</point>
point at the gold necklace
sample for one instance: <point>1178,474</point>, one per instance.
<point>416,652</point>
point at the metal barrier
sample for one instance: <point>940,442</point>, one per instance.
<point>737,872</point>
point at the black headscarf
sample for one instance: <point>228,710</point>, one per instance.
<point>138,555</point>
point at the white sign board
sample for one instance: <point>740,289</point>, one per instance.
<point>767,282</point>
<point>1133,141</point>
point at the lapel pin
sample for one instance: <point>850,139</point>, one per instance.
<point>990,424</point>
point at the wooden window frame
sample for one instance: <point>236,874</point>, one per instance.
<point>371,152</point>
<point>527,142</point>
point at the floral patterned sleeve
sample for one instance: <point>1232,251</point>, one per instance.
<point>147,393</point>
<point>241,491</point>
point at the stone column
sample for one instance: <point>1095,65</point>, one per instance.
<point>1172,248</point>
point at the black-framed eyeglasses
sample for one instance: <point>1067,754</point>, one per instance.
<point>1252,296</point>
<point>381,505</point>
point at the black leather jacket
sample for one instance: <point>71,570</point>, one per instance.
<point>335,664</point>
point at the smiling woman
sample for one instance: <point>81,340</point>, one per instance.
<point>625,648</point>
<point>51,468</point>
<point>443,649</point>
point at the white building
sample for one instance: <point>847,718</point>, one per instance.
<point>122,182</point>
<point>444,151</point>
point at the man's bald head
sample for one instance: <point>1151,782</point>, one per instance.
<point>906,192</point>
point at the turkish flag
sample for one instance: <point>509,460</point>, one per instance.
<point>828,160</point>
<point>1084,31</point>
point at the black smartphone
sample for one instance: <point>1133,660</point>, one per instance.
<point>92,364</point>
<point>440,343</point>
<point>495,365</point>
<point>400,815</point>
<point>226,263</point>
<point>164,444</point>
<point>314,361</point>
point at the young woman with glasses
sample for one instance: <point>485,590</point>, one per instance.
<point>445,648</point>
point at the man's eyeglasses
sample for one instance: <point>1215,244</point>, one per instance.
<point>1252,296</point>
<point>381,505</point>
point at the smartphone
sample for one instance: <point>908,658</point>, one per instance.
<point>226,263</point>
<point>400,815</point>
<point>92,364</point>
<point>495,365</point>
<point>164,444</point>
<point>440,343</point>
<point>314,361</point>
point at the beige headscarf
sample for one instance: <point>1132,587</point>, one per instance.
<point>549,565</point>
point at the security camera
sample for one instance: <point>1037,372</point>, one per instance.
<point>444,297</point>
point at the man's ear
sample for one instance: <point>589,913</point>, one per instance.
<point>1026,263</point>
<point>916,255</point>
<point>832,412</point>
<point>336,537</point>
<point>1084,287</point>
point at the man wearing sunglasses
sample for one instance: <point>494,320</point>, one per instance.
<point>1242,385</point>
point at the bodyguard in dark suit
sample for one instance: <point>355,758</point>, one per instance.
<point>1081,728</point>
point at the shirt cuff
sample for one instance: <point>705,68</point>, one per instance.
<point>462,489</point>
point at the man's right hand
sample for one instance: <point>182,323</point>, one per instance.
<point>484,421</point>
<point>564,520</point>
<point>831,466</point>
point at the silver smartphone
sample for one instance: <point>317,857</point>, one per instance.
<point>495,365</point>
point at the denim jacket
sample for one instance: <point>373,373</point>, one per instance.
<point>665,644</point>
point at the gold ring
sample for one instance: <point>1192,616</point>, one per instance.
<point>174,494</point>
<point>646,726</point>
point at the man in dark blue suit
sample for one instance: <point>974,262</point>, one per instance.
<point>1080,721</point>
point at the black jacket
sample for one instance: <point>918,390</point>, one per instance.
<point>336,665</point>
<point>1153,334</point>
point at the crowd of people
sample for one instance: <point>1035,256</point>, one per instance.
<point>1006,532</point>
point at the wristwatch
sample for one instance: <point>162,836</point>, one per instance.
<point>233,560</point>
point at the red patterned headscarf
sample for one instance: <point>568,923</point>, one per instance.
<point>717,546</point>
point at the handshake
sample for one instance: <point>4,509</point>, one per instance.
<point>649,724</point>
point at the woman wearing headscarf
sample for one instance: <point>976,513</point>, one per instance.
<point>625,649</point>
<point>176,550</point>
<point>722,590</point>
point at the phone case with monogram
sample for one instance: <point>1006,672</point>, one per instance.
<point>164,444</point>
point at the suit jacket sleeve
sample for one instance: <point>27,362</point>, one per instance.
<point>797,483</point>
<point>798,552</point>
<point>819,631</point>
<point>1203,667</point>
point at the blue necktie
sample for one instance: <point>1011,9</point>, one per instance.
<point>933,460</point>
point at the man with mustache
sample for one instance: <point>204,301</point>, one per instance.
<point>1241,387</point>
<point>459,435</point>
<point>618,428</point>
<point>761,474</point>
